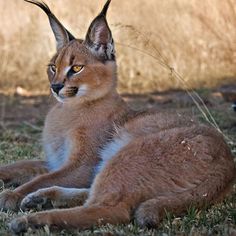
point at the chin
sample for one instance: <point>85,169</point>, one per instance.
<point>60,99</point>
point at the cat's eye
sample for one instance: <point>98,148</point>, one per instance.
<point>76,68</point>
<point>53,68</point>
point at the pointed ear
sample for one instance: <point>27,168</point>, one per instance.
<point>62,35</point>
<point>99,38</point>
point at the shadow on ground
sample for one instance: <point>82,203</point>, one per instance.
<point>31,110</point>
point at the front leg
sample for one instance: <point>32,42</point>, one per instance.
<point>83,217</point>
<point>70,176</point>
<point>21,172</point>
<point>77,172</point>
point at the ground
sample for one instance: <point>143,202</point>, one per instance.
<point>21,122</point>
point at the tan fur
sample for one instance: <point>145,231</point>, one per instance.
<point>166,162</point>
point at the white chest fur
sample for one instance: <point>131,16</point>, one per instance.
<point>57,154</point>
<point>111,149</point>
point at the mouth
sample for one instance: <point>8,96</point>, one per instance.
<point>71,92</point>
<point>64,94</point>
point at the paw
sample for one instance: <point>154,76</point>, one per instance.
<point>9,200</point>
<point>34,221</point>
<point>19,225</point>
<point>35,200</point>
<point>6,178</point>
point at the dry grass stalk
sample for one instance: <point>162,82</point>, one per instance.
<point>197,40</point>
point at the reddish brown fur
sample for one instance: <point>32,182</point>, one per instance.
<point>171,162</point>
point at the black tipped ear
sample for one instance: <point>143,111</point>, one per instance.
<point>62,35</point>
<point>99,38</point>
<point>105,8</point>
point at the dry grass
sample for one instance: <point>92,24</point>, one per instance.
<point>197,39</point>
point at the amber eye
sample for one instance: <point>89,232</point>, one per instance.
<point>76,68</point>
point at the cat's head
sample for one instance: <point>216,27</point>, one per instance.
<point>82,70</point>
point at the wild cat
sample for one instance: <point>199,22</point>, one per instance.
<point>105,162</point>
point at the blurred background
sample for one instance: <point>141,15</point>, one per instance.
<point>196,38</point>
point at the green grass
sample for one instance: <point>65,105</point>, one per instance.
<point>22,141</point>
<point>19,143</point>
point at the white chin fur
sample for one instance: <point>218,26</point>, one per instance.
<point>59,99</point>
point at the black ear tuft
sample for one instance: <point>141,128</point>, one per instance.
<point>62,35</point>
<point>99,38</point>
<point>105,8</point>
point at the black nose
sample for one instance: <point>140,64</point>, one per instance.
<point>57,87</point>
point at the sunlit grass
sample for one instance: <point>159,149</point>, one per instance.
<point>198,40</point>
